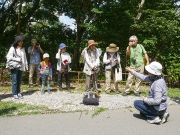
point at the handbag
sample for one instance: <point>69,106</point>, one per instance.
<point>12,64</point>
<point>118,73</point>
<point>64,68</point>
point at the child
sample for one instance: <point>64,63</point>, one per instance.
<point>45,70</point>
<point>64,60</point>
<point>111,59</point>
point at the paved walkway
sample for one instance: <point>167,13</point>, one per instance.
<point>110,122</point>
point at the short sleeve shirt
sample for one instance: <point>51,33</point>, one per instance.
<point>35,57</point>
<point>136,55</point>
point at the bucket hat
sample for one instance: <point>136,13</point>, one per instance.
<point>46,55</point>
<point>19,38</point>
<point>112,48</point>
<point>154,68</point>
<point>33,40</point>
<point>62,45</point>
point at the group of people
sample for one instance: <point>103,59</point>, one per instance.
<point>153,107</point>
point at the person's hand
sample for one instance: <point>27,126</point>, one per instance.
<point>131,43</point>
<point>59,50</point>
<point>128,69</point>
<point>95,68</point>
<point>111,59</point>
<point>51,77</point>
<point>116,60</point>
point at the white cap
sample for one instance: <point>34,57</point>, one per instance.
<point>154,68</point>
<point>46,55</point>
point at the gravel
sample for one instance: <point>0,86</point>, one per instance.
<point>68,102</point>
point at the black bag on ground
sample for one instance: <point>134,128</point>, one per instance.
<point>91,98</point>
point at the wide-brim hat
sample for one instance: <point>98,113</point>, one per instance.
<point>112,48</point>
<point>154,68</point>
<point>62,45</point>
<point>92,42</point>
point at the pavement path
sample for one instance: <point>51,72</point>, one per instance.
<point>125,121</point>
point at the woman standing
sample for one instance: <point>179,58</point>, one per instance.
<point>17,53</point>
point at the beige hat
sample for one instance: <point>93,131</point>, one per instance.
<point>92,42</point>
<point>33,40</point>
<point>112,48</point>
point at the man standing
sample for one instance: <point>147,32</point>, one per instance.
<point>136,52</point>
<point>34,51</point>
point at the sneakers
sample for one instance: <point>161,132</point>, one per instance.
<point>156,120</point>
<point>49,91</point>
<point>137,94</point>
<point>165,117</point>
<point>15,97</point>
<point>20,96</point>
<point>42,92</point>
<point>125,94</point>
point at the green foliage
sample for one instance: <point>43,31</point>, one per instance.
<point>13,109</point>
<point>98,111</point>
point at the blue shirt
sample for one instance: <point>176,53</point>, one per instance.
<point>35,57</point>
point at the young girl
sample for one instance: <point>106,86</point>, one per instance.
<point>45,70</point>
<point>63,67</point>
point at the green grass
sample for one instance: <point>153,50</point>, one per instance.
<point>13,109</point>
<point>98,111</point>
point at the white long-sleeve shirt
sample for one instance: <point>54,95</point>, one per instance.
<point>64,56</point>
<point>21,52</point>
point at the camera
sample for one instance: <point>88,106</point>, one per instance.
<point>134,61</point>
<point>37,44</point>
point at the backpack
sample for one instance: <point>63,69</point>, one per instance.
<point>44,69</point>
<point>91,98</point>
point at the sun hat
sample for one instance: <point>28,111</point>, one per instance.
<point>154,68</point>
<point>112,48</point>
<point>62,45</point>
<point>92,42</point>
<point>46,55</point>
<point>33,40</point>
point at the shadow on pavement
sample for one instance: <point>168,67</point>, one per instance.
<point>177,100</point>
<point>139,116</point>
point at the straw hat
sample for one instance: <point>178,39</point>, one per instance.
<point>112,48</point>
<point>92,42</point>
<point>154,68</point>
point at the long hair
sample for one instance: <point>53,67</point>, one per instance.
<point>17,39</point>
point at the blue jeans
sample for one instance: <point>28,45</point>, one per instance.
<point>146,110</point>
<point>16,81</point>
<point>45,80</point>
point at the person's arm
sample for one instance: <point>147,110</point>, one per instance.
<point>26,63</point>
<point>105,60</point>
<point>145,78</point>
<point>10,54</point>
<point>32,50</point>
<point>147,58</point>
<point>50,69</point>
<point>40,49</point>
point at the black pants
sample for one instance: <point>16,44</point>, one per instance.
<point>60,75</point>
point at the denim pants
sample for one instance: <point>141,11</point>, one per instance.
<point>146,110</point>
<point>45,81</point>
<point>16,81</point>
